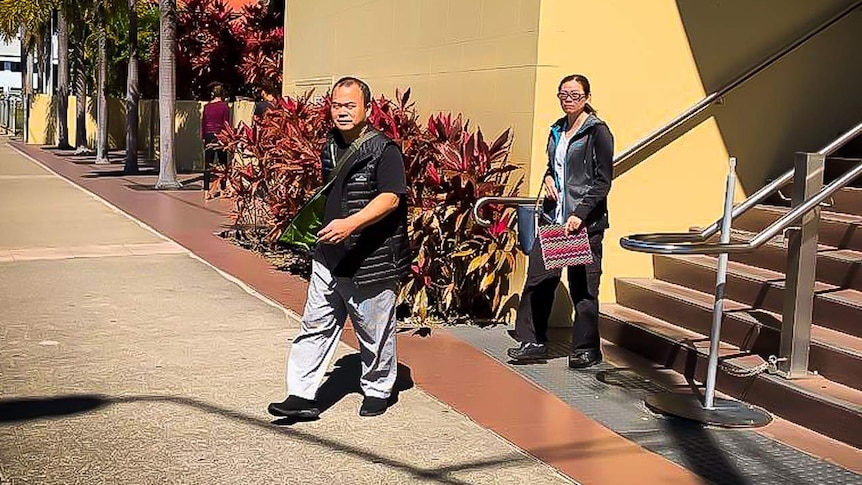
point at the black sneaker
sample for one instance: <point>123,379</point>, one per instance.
<point>528,351</point>
<point>373,406</point>
<point>584,359</point>
<point>295,407</point>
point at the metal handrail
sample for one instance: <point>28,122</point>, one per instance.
<point>692,242</point>
<point>505,201</point>
<point>704,103</point>
<point>738,81</point>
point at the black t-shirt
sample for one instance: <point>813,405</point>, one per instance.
<point>390,178</point>
<point>260,107</point>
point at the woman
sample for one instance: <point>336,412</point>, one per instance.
<point>215,116</point>
<point>580,169</point>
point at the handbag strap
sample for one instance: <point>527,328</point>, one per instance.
<point>537,209</point>
<point>353,148</point>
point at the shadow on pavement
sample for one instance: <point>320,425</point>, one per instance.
<point>122,173</point>
<point>13,410</point>
<point>57,406</point>
<point>344,380</point>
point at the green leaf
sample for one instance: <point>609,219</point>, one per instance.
<point>404,294</point>
<point>447,296</point>
<point>489,279</point>
<point>462,253</point>
<point>420,306</point>
<point>477,263</point>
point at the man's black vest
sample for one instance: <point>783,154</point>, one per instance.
<point>380,253</point>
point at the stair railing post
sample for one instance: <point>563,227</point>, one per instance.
<point>720,283</point>
<point>801,270</point>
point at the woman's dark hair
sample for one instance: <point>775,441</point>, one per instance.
<point>218,91</point>
<point>585,84</point>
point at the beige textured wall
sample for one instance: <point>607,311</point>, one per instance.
<point>472,56</point>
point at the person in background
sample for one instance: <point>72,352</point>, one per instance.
<point>214,118</point>
<point>264,101</point>
<point>577,183</point>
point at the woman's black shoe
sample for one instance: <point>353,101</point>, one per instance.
<point>584,359</point>
<point>528,351</point>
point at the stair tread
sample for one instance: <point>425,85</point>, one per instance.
<point>846,296</point>
<point>840,341</point>
<point>818,385</point>
<point>823,250</point>
<point>841,217</point>
<point>676,333</point>
<point>821,385</point>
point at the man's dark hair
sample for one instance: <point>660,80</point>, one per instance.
<point>350,81</point>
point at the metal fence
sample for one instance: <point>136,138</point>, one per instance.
<point>11,115</point>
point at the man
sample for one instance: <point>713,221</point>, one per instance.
<point>361,257</point>
<point>265,101</point>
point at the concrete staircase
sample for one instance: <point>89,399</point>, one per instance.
<point>667,318</point>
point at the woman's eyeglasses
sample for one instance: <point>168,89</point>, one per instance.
<point>575,96</point>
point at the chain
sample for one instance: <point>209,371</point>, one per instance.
<point>742,372</point>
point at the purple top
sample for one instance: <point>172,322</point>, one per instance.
<point>214,118</point>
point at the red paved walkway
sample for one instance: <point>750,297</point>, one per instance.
<point>453,371</point>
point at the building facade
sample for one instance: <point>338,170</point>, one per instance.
<point>499,62</point>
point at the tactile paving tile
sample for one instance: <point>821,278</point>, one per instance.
<point>614,397</point>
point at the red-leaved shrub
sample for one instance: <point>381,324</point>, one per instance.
<point>460,270</point>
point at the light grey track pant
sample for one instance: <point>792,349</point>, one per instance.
<point>330,301</point>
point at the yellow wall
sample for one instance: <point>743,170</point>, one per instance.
<point>188,145</point>
<point>473,56</point>
<point>40,125</point>
<point>43,121</point>
<point>649,61</point>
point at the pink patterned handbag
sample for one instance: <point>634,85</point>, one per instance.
<point>561,249</point>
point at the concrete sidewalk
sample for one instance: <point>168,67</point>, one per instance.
<point>123,359</point>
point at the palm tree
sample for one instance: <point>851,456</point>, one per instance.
<point>27,20</point>
<point>167,94</point>
<point>27,79</point>
<point>79,14</point>
<point>62,80</point>
<point>101,83</point>
<point>132,94</point>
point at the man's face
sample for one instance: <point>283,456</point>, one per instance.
<point>348,110</point>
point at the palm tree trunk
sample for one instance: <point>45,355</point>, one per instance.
<point>80,93</point>
<point>132,94</point>
<point>26,80</point>
<point>167,94</point>
<point>102,107</point>
<point>44,62</point>
<point>63,82</point>
<point>49,57</point>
